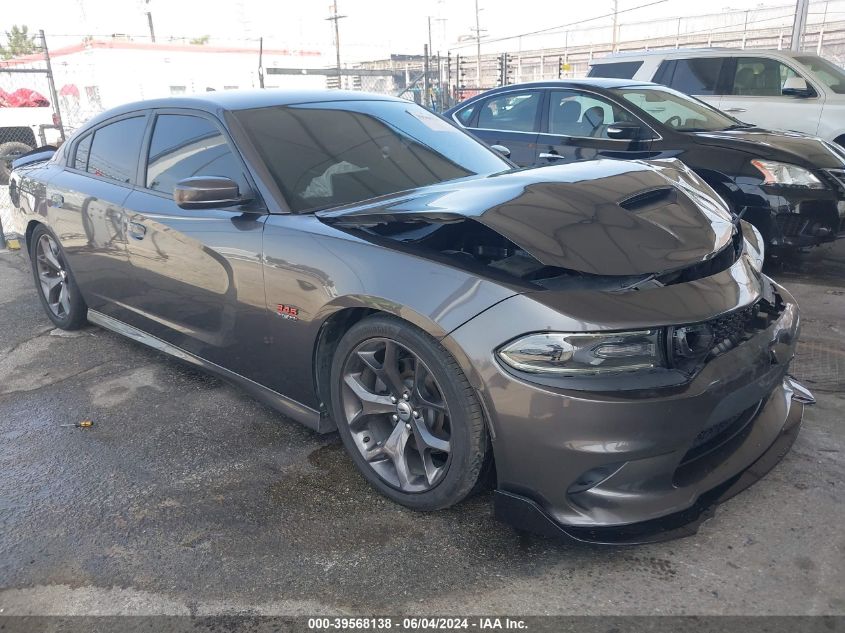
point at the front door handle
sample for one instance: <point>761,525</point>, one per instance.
<point>137,231</point>
<point>57,200</point>
<point>551,155</point>
<point>735,110</point>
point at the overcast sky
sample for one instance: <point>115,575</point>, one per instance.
<point>372,28</point>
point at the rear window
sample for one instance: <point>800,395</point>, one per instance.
<point>80,162</point>
<point>512,111</point>
<point>615,70</point>
<point>691,76</point>
<point>464,116</point>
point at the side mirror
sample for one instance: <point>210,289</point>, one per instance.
<point>796,87</point>
<point>206,192</point>
<point>624,131</point>
<point>504,151</point>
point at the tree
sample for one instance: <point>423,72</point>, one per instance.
<point>19,42</point>
<point>200,40</point>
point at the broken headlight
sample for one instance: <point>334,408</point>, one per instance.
<point>786,174</point>
<point>579,354</point>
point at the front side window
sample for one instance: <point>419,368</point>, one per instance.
<point>583,115</point>
<point>675,110</point>
<point>183,146</point>
<point>326,154</point>
<point>115,149</point>
<point>760,77</point>
<point>692,76</point>
<point>514,111</point>
<point>828,73</point>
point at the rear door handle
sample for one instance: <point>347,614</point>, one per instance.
<point>735,110</point>
<point>550,155</point>
<point>57,200</point>
<point>137,231</point>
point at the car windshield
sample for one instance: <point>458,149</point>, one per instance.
<point>676,110</point>
<point>327,154</point>
<point>828,73</point>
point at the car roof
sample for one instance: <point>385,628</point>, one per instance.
<point>590,82</point>
<point>242,100</point>
<point>704,52</point>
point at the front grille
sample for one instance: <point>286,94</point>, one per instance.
<point>714,444</point>
<point>839,176</point>
<point>690,346</point>
<point>791,224</point>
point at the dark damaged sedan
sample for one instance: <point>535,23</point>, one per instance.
<point>790,186</point>
<point>596,337</point>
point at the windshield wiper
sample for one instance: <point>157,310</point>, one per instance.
<point>738,126</point>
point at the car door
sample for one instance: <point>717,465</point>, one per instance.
<point>574,127</point>
<point>754,95</point>
<point>510,119</point>
<point>197,276</point>
<point>85,202</point>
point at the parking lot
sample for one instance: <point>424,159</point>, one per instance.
<point>187,496</point>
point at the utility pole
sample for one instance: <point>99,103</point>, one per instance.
<point>425,100</point>
<point>615,24</point>
<point>336,18</point>
<point>150,22</point>
<point>800,23</point>
<point>477,46</point>
<point>261,62</point>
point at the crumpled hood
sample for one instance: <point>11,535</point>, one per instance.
<point>603,217</point>
<point>792,147</point>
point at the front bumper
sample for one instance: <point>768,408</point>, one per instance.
<point>797,218</point>
<point>658,478</point>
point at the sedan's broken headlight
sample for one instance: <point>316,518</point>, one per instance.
<point>784,174</point>
<point>578,354</point>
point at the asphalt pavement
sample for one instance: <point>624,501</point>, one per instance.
<point>188,497</point>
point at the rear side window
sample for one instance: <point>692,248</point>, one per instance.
<point>82,149</point>
<point>464,116</point>
<point>514,111</point>
<point>615,70</point>
<point>183,146</point>
<point>115,149</point>
<point>691,76</point>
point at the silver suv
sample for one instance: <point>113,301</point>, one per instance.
<point>772,89</point>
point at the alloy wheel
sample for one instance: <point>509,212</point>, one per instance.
<point>53,276</point>
<point>397,415</point>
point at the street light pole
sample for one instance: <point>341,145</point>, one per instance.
<point>615,24</point>
<point>477,45</point>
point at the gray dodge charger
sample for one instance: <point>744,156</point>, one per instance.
<point>597,339</point>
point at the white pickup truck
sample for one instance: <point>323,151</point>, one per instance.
<point>22,130</point>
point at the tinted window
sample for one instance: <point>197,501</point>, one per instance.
<point>515,111</point>
<point>760,77</point>
<point>183,146</point>
<point>693,76</point>
<point>115,149</point>
<point>331,153</point>
<point>82,149</point>
<point>616,70</point>
<point>580,114</point>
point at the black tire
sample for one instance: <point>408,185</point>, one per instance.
<point>469,452</point>
<point>67,312</point>
<point>9,152</point>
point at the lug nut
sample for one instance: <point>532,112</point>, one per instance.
<point>408,425</point>
<point>393,399</point>
<point>406,396</point>
<point>416,414</point>
<point>394,417</point>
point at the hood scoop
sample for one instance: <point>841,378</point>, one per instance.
<point>580,217</point>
